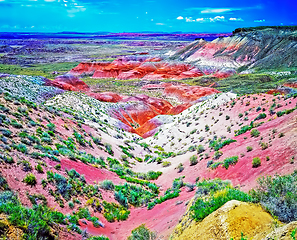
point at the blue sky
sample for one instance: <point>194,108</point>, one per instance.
<point>147,15</point>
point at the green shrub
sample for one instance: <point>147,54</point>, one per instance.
<point>58,167</point>
<point>30,179</point>
<point>71,205</point>
<point>230,161</point>
<point>51,126</point>
<point>21,148</point>
<point>98,238</point>
<point>113,211</point>
<point>180,168</point>
<point>35,222</point>
<point>255,133</point>
<point>166,164</point>
<point>108,148</point>
<point>249,148</point>
<point>205,206</point>
<point>193,160</point>
<point>264,145</point>
<point>260,116</point>
<point>3,183</point>
<point>15,124</point>
<point>107,185</point>
<point>142,233</point>
<point>256,162</point>
<point>278,195</point>
<point>200,149</point>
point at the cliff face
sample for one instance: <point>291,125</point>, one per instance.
<point>268,48</point>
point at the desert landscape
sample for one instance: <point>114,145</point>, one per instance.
<point>149,135</point>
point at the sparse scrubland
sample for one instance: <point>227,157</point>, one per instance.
<point>178,163</point>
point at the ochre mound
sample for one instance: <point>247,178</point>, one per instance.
<point>227,222</point>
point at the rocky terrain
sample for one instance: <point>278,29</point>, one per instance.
<point>197,143</point>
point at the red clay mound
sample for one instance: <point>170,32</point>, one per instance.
<point>291,85</point>
<point>88,68</point>
<point>142,110</point>
<point>106,96</point>
<point>224,73</point>
<point>70,83</point>
<point>187,93</point>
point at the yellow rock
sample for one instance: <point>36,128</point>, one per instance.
<point>229,221</point>
<point>8,231</point>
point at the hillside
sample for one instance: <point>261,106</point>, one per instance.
<point>204,157</point>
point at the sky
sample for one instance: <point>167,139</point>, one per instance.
<point>207,16</point>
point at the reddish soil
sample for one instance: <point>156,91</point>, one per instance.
<point>161,219</point>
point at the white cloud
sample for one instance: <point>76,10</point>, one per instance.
<point>261,20</point>
<point>217,10</point>
<point>217,19</point>
<point>180,18</point>
<point>200,20</point>
<point>236,19</point>
<point>190,19</point>
<point>160,24</point>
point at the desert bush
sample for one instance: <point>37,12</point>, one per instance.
<point>217,155</point>
<point>108,148</point>
<point>249,148</point>
<point>260,116</point>
<point>166,164</point>
<point>255,133</point>
<point>71,205</point>
<point>278,195</point>
<point>30,179</point>
<point>230,161</point>
<point>200,149</point>
<point>256,162</point>
<point>193,160</point>
<point>180,168</point>
<point>26,166</point>
<point>142,233</point>
<point>35,222</point>
<point>205,206</point>
<point>264,145</point>
<point>113,211</point>
<point>107,185</point>
<point>21,148</point>
<point>3,183</point>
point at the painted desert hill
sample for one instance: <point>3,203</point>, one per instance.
<point>270,48</point>
<point>192,163</point>
<point>265,49</point>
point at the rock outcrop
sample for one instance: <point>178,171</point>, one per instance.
<point>229,221</point>
<point>268,48</point>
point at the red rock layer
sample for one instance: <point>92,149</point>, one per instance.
<point>146,69</point>
<point>70,83</point>
<point>136,113</point>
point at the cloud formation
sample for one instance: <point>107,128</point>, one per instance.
<point>180,18</point>
<point>261,20</point>
<point>236,19</point>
